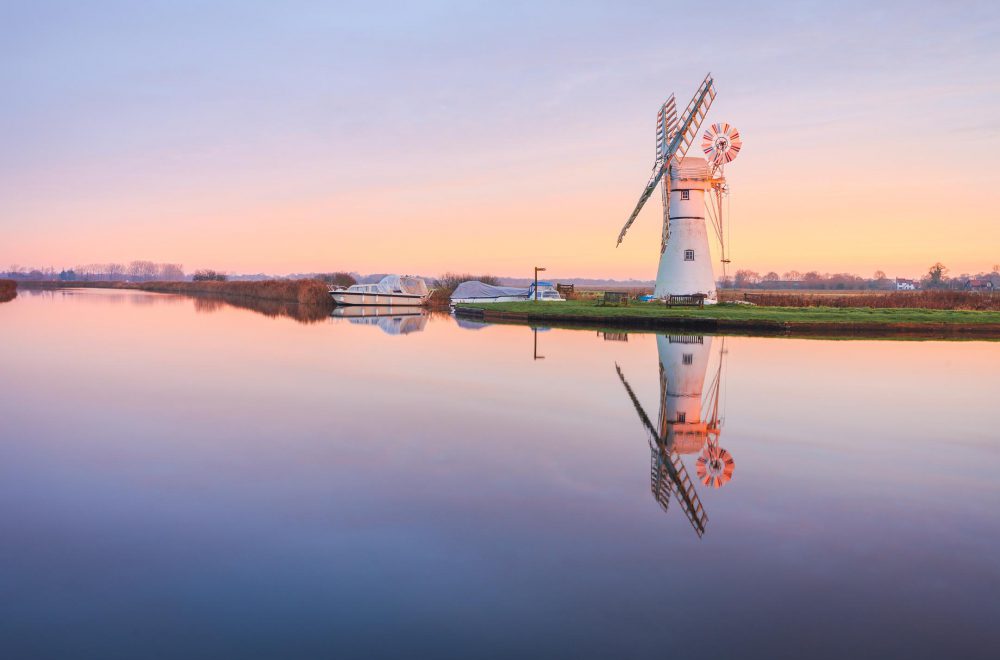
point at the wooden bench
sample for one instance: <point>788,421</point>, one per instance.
<point>614,298</point>
<point>693,300</point>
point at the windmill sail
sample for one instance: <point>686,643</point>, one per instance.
<point>666,128</point>
<point>677,146</point>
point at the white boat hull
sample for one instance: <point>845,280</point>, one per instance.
<point>365,311</point>
<point>379,299</point>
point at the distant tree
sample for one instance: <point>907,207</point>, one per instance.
<point>936,274</point>
<point>793,275</point>
<point>879,280</point>
<point>67,276</point>
<point>745,278</point>
<point>142,271</point>
<point>171,272</point>
<point>772,277</point>
<point>813,280</point>
<point>115,271</point>
<point>208,275</point>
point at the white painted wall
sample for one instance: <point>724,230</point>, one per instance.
<point>675,275</point>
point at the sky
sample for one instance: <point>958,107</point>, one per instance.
<point>491,137</point>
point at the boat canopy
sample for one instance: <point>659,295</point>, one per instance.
<point>389,284</point>
<point>477,289</point>
<point>403,284</point>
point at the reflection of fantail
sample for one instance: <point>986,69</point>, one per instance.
<point>715,466</point>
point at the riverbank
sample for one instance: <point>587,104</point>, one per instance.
<point>825,321</point>
<point>305,292</point>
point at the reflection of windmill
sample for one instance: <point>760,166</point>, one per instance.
<point>685,264</point>
<point>681,426</point>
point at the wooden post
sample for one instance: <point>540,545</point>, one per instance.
<point>537,268</point>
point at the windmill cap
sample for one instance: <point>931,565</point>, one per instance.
<point>690,168</point>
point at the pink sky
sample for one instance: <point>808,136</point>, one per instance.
<point>491,140</point>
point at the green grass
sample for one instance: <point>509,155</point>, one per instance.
<point>578,309</point>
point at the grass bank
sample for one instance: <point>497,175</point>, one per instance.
<point>8,290</point>
<point>742,318</point>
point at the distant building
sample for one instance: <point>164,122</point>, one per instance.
<point>903,284</point>
<point>985,286</point>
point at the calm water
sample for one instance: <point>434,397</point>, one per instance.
<point>185,478</point>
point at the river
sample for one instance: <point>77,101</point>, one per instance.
<point>182,477</point>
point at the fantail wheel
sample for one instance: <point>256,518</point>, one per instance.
<point>721,143</point>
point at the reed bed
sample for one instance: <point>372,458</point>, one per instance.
<point>8,290</point>
<point>306,292</point>
<point>951,300</point>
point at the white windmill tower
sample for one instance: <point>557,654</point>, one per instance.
<point>685,261</point>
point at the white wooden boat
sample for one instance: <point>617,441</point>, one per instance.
<point>392,290</point>
<point>474,291</point>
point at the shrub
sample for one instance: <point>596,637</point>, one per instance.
<point>8,290</point>
<point>338,279</point>
<point>209,275</point>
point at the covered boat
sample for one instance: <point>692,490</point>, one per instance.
<point>474,291</point>
<point>396,290</point>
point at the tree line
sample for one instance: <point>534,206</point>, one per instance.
<point>935,278</point>
<point>133,271</point>
<point>143,271</point>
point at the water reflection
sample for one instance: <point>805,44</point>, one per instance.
<point>275,489</point>
<point>688,422</point>
<point>205,304</point>
<point>392,321</point>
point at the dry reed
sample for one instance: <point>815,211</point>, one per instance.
<point>952,300</point>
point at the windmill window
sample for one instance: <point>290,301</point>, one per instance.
<point>688,358</point>
<point>688,255</point>
<point>682,417</point>
<point>685,194</point>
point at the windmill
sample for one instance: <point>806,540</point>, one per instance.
<point>689,421</point>
<point>685,262</point>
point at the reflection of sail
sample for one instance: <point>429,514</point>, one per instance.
<point>400,321</point>
<point>668,475</point>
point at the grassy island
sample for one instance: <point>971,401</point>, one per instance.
<point>745,318</point>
